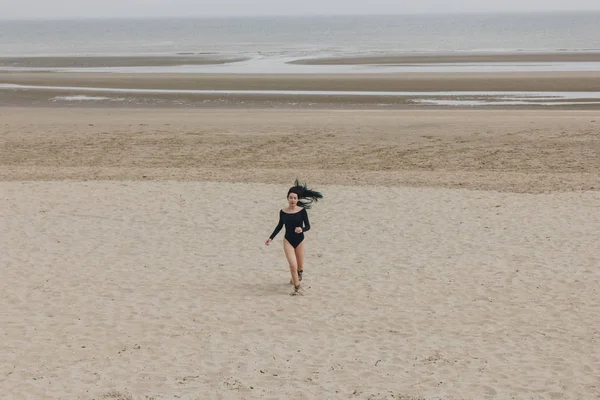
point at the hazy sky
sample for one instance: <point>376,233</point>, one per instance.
<point>16,9</point>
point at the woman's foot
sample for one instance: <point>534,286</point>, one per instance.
<point>298,291</point>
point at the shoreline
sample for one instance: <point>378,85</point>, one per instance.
<point>454,57</point>
<point>555,90</point>
<point>257,63</point>
<point>191,58</point>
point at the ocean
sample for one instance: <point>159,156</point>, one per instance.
<point>298,37</point>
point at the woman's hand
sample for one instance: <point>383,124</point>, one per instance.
<point>298,230</point>
<point>268,242</point>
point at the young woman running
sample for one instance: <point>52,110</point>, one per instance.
<point>295,219</point>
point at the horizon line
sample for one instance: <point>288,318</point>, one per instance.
<point>382,14</point>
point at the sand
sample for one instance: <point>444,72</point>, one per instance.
<point>406,82</point>
<point>515,151</point>
<point>192,58</point>
<point>115,61</point>
<point>164,289</point>
<point>438,58</point>
<point>455,255</point>
<point>427,82</point>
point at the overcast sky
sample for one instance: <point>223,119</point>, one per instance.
<point>17,9</point>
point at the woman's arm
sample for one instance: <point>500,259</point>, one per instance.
<point>306,227</point>
<point>278,227</point>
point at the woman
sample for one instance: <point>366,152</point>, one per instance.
<point>295,219</point>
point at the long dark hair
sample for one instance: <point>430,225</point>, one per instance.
<point>306,196</point>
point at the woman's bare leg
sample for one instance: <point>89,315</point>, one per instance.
<point>300,259</point>
<point>291,258</point>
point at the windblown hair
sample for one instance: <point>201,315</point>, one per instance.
<point>306,196</point>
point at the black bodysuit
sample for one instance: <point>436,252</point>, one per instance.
<point>292,221</point>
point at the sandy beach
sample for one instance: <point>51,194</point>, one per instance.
<point>454,256</point>
<point>146,152</point>
<point>514,151</point>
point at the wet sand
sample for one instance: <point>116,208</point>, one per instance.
<point>521,81</point>
<point>211,58</point>
<point>114,61</point>
<point>437,58</point>
<point>420,82</point>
